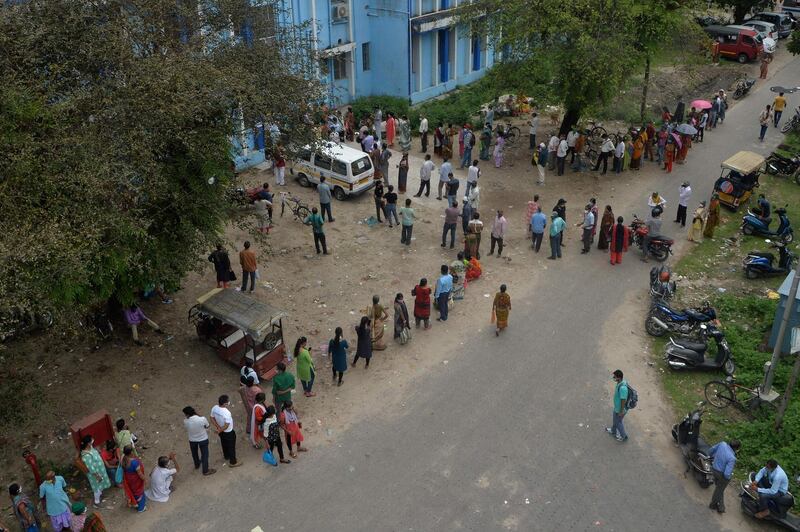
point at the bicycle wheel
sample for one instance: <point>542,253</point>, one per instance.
<point>592,156</point>
<point>718,394</point>
<point>597,133</point>
<point>302,212</point>
<point>513,135</point>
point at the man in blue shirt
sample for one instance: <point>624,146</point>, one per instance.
<point>724,455</point>
<point>771,483</point>
<point>444,285</point>
<point>324,190</point>
<point>556,229</point>
<point>617,428</point>
<point>538,223</point>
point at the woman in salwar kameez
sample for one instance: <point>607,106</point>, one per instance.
<point>402,174</point>
<point>696,229</point>
<point>95,469</point>
<point>378,316</point>
<point>499,144</point>
<point>364,342</point>
<point>605,228</point>
<point>501,307</point>
<point>400,316</point>
<point>713,216</point>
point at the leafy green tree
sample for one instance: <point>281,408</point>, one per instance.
<point>742,8</point>
<point>794,43</point>
<point>115,126</point>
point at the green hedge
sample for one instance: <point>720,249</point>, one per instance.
<point>387,104</point>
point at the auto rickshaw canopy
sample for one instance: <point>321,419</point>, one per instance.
<point>744,162</point>
<point>253,317</point>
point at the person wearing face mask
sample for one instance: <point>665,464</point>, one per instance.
<point>95,469</point>
<point>617,428</point>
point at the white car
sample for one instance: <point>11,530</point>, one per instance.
<point>766,29</point>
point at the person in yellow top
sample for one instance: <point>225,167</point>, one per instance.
<point>778,105</point>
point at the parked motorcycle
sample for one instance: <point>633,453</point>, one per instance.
<point>686,354</point>
<point>694,448</point>
<point>794,123</point>
<point>660,247</point>
<point>663,319</point>
<point>779,511</point>
<point>777,164</point>
<point>743,86</point>
<point>754,225</point>
<point>661,285</point>
<point>761,263</point>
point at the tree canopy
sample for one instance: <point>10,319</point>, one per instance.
<point>741,8</point>
<point>115,121</point>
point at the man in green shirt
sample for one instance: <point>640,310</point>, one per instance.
<point>316,222</point>
<point>617,428</point>
<point>282,386</point>
<point>407,213</point>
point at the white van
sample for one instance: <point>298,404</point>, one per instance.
<point>348,171</point>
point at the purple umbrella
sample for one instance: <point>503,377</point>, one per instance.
<point>677,139</point>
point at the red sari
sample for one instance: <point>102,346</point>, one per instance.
<point>422,301</point>
<point>132,483</point>
<point>390,131</point>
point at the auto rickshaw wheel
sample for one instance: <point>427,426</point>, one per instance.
<point>270,341</point>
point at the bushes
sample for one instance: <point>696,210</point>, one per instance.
<point>387,104</point>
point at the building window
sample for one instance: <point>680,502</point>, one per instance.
<point>365,56</point>
<point>340,66</point>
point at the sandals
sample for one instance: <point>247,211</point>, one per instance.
<point>293,455</point>
<point>286,461</point>
<point>302,449</point>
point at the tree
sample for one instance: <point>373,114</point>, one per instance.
<point>115,125</point>
<point>742,8</point>
<point>794,43</point>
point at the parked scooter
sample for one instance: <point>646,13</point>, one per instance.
<point>753,225</point>
<point>779,511</point>
<point>793,123</point>
<point>694,448</point>
<point>777,164</point>
<point>761,263</point>
<point>660,247</point>
<point>686,354</point>
<point>743,86</point>
<point>663,319</point>
<point>661,285</point>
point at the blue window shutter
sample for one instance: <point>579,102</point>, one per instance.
<point>476,54</point>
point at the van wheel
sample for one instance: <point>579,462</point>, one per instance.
<point>743,58</point>
<point>339,194</point>
<point>303,180</point>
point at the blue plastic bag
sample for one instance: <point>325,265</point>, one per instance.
<point>118,476</point>
<point>269,458</point>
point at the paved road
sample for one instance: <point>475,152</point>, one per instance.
<point>509,434</point>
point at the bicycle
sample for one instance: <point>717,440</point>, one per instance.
<point>596,131</point>
<point>722,394</point>
<point>509,132</point>
<point>298,208</point>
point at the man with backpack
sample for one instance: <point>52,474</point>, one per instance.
<point>625,398</point>
<point>469,142</point>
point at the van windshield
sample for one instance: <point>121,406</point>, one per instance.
<point>361,165</point>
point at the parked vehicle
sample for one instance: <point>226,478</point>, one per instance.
<point>661,285</point>
<point>694,448</point>
<point>347,170</point>
<point>660,247</point>
<point>794,123</point>
<point>777,164</point>
<point>755,225</point>
<point>743,86</point>
<point>781,21</point>
<point>764,28</point>
<point>762,263</point>
<point>736,43</point>
<point>738,178</point>
<point>685,354</point>
<point>779,510</point>
<point>17,322</point>
<point>663,319</point>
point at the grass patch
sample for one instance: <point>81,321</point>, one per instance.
<point>747,316</point>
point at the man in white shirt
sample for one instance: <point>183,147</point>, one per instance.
<point>619,153</point>
<point>425,173</point>
<point>499,227</point>
<point>572,138</point>
<point>561,153</point>
<point>196,428</point>
<point>534,126</point>
<point>161,478</point>
<point>423,132</point>
<point>473,173</point>
<point>605,151</point>
<point>444,175</point>
<point>552,148</point>
<point>223,423</point>
<point>684,193</point>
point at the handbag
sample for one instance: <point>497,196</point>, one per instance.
<point>231,276</point>
<point>118,474</point>
<point>269,458</point>
<point>405,335</point>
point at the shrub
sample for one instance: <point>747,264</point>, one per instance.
<point>387,104</point>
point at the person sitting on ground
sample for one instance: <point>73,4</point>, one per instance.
<point>135,316</point>
<point>161,478</point>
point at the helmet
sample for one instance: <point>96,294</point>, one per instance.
<point>664,276</point>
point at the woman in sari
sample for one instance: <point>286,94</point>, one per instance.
<point>133,480</point>
<point>447,142</point>
<point>472,240</point>
<point>626,157</point>
<point>461,143</point>
<point>404,134</point>
<point>686,143</point>
<point>248,392</point>
<point>605,228</point>
<point>390,129</point>
<point>438,139</point>
<point>375,156</point>
<point>95,469</point>
<point>499,145</point>
<point>257,415</point>
<point>400,316</point>
<point>713,216</point>
<point>24,510</point>
<point>696,229</point>
<point>422,303</point>
<point>291,426</point>
<point>402,174</point>
<point>638,148</point>
<point>349,124</point>
<point>473,269</point>
<point>378,316</point>
<point>501,307</point>
<point>364,344</point>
